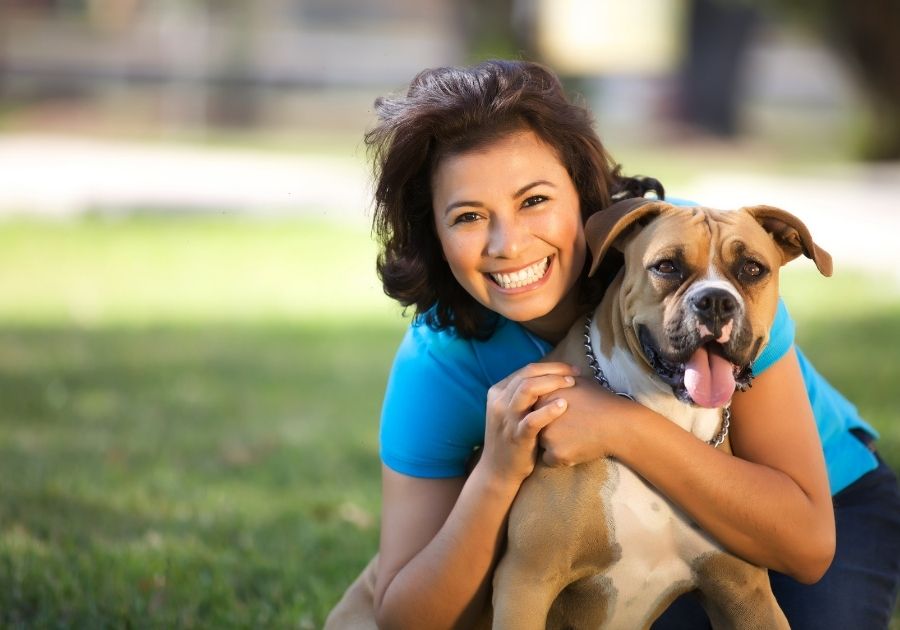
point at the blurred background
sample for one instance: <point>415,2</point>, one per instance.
<point>193,341</point>
<point>154,105</point>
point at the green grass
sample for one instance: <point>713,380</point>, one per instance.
<point>188,427</point>
<point>193,476</point>
<point>147,270</point>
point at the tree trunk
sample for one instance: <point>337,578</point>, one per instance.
<point>867,30</point>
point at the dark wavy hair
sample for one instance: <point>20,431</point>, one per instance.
<point>448,111</point>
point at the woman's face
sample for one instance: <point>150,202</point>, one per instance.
<point>509,222</point>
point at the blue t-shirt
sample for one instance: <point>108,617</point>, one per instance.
<point>434,407</point>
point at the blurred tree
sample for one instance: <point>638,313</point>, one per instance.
<point>865,33</point>
<point>718,36</point>
<point>4,13</point>
<point>235,95</point>
<point>495,29</point>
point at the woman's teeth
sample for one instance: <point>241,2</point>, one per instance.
<point>522,277</point>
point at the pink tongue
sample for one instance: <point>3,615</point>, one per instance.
<point>709,379</point>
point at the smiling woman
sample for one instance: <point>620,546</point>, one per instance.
<point>450,113</point>
<point>509,222</point>
<point>485,177</point>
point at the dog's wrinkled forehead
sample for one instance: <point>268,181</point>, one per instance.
<point>679,232</point>
<point>769,232</point>
<point>704,239</point>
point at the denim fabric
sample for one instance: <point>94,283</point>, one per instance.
<point>859,590</point>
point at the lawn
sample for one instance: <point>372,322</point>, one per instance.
<point>189,414</point>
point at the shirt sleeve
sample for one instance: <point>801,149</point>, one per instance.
<point>781,339</point>
<point>434,406</point>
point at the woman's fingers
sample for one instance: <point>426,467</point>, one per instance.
<point>529,390</point>
<point>531,424</point>
<point>519,391</point>
<point>513,423</point>
<point>538,369</point>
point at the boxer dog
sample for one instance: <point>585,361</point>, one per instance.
<point>594,545</point>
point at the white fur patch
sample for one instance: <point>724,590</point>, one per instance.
<point>657,542</point>
<point>625,375</point>
<point>658,546</point>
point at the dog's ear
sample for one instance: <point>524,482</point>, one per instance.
<point>604,227</point>
<point>791,236</point>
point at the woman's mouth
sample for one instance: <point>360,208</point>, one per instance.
<point>522,277</point>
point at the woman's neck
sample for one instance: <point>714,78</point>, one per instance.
<point>553,326</point>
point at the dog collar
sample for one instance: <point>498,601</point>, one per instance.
<point>600,377</point>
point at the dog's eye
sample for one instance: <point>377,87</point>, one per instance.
<point>752,269</point>
<point>665,267</point>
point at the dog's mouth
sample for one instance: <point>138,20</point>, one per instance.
<point>705,375</point>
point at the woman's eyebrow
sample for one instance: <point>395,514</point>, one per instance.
<point>528,187</point>
<point>463,204</point>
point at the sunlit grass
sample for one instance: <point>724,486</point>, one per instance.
<point>148,270</point>
<point>222,475</point>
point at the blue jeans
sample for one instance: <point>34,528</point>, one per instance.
<point>859,590</point>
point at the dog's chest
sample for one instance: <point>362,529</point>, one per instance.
<point>626,375</point>
<point>658,547</point>
<point>658,544</point>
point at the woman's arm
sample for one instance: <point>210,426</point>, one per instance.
<point>440,538</point>
<point>439,541</point>
<point>770,503</point>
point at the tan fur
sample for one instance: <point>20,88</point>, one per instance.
<point>735,597</point>
<point>563,545</point>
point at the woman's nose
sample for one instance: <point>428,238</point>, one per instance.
<point>506,238</point>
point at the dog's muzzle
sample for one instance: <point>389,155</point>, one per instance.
<point>703,372</point>
<point>715,310</point>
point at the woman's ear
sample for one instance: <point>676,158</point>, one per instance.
<point>604,228</point>
<point>791,236</point>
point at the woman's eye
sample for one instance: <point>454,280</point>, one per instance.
<point>665,267</point>
<point>533,201</point>
<point>466,217</point>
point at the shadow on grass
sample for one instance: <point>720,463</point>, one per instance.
<point>216,476</point>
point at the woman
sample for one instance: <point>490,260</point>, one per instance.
<point>484,179</point>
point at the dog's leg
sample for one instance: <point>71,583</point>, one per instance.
<point>557,537</point>
<point>737,595</point>
<point>544,605</point>
<point>523,595</point>
<point>583,604</point>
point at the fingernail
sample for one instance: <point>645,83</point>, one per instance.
<point>570,380</point>
<point>560,403</point>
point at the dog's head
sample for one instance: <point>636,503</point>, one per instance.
<point>700,287</point>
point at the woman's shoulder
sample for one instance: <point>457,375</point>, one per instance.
<point>489,359</point>
<point>424,344</point>
<point>432,414</point>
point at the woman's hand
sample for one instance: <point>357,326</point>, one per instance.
<point>588,429</point>
<point>440,538</point>
<point>513,422</point>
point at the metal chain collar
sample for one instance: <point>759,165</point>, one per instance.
<point>600,377</point>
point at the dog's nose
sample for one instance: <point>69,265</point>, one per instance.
<point>714,305</point>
